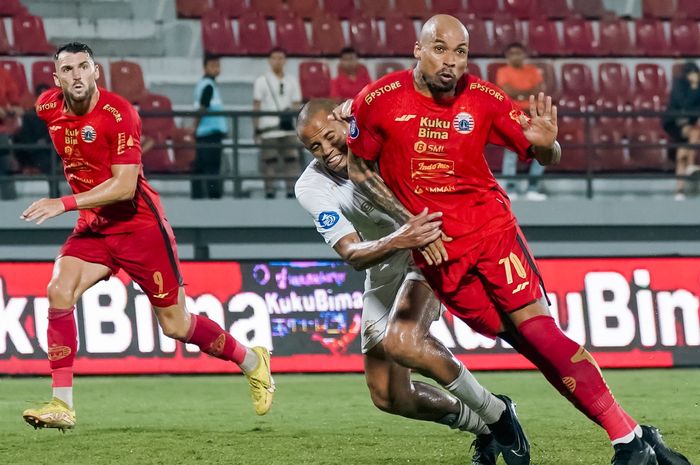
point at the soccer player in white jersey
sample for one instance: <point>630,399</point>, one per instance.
<point>399,306</point>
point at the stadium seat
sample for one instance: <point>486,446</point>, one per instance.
<point>11,8</point>
<point>412,8</point>
<point>615,38</point>
<point>183,149</point>
<point>521,9</point>
<point>157,159</point>
<point>217,35</point>
<point>164,125</point>
<point>400,36</point>
<point>506,30</point>
<point>15,69</point>
<point>651,38</point>
<point>611,103</point>
<point>590,9</point>
<point>191,8</point>
<point>553,9</point>
<point>254,35</point>
<point>127,80</point>
<point>479,42</point>
<point>473,69</point>
<point>486,9</point>
<point>579,39</point>
<point>614,80</point>
<point>550,77</point>
<point>572,104</point>
<point>688,9</point>
<point>267,8</point>
<point>5,47</point>
<point>543,38</point>
<point>386,67</point>
<point>644,102</point>
<point>42,73</point>
<point>613,157</point>
<point>343,9</point>
<point>315,80</point>
<point>364,36</point>
<point>571,131</point>
<point>291,35</point>
<point>642,133</point>
<point>449,7</point>
<point>307,9</point>
<point>577,82</point>
<point>492,70</point>
<point>30,37</point>
<point>230,8</point>
<point>650,79</point>
<point>327,34</point>
<point>661,9</point>
<point>376,8</point>
<point>685,37</point>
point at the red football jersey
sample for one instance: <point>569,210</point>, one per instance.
<point>432,155</point>
<point>89,145</point>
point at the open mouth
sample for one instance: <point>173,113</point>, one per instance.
<point>333,161</point>
<point>445,76</point>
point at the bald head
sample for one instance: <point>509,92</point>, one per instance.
<point>312,108</point>
<point>443,26</point>
<point>323,137</point>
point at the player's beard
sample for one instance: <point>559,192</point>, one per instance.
<point>80,103</point>
<point>435,86</point>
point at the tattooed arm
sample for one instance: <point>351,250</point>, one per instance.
<point>368,180</point>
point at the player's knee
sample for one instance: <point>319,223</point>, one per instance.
<point>380,397</point>
<point>60,294</point>
<point>402,344</point>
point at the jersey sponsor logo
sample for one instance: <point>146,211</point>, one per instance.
<point>121,143</point>
<point>161,296</point>
<point>463,123</point>
<point>88,134</point>
<point>54,128</point>
<point>71,136</point>
<point>58,352</point>
<point>440,189</point>
<point>405,118</point>
<point>110,109</point>
<point>420,146</point>
<point>515,115</point>
<point>431,168</point>
<point>354,130</point>
<point>432,149</point>
<point>431,128</point>
<point>328,219</point>
<point>369,98</point>
<point>487,90</point>
<point>46,106</point>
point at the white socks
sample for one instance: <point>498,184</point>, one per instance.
<point>250,361</point>
<point>65,394</point>
<point>467,389</point>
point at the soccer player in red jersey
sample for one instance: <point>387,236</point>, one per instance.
<point>121,224</point>
<point>426,130</point>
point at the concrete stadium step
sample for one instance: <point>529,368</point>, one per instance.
<point>182,93</point>
<point>83,9</point>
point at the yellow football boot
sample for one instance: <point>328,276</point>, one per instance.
<point>53,414</point>
<point>262,386</point>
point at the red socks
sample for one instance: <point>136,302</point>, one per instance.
<point>581,381</point>
<point>213,340</point>
<point>62,337</point>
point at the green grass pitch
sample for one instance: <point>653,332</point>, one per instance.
<point>319,419</point>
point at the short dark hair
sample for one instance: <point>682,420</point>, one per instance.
<point>209,57</point>
<point>519,45</point>
<point>277,50</point>
<point>690,67</point>
<point>347,50</point>
<point>74,47</point>
<point>312,107</point>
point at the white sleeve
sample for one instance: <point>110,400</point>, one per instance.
<point>259,89</point>
<point>325,210</point>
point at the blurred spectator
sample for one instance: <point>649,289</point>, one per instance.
<point>209,130</point>
<point>520,80</point>
<point>352,76</point>
<point>277,91</point>
<point>34,131</point>
<point>10,111</point>
<point>685,96</point>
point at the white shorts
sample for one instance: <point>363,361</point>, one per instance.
<point>378,300</point>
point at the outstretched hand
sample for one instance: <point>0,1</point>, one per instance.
<point>541,128</point>
<point>42,210</point>
<point>342,112</point>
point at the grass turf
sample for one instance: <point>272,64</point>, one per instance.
<point>319,419</point>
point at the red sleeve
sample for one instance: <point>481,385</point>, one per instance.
<point>364,135</point>
<point>125,146</point>
<point>506,130</point>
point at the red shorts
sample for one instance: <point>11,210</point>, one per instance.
<point>498,275</point>
<point>148,256</point>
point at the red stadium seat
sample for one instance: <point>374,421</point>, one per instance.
<point>30,37</point>
<point>685,37</point>
<point>553,9</point>
<point>615,38</point>
<point>11,8</point>
<point>648,103</point>
<point>611,104</point>
<point>327,34</point>
<point>364,36</point>
<point>412,8</point>
<point>191,8</point>
<point>164,125</point>
<point>291,35</point>
<point>574,159</point>
<point>543,38</point>
<point>266,8</point>
<point>42,73</point>
<point>506,30</point>
<point>642,133</point>
<point>342,8</point>
<point>492,70</point>
<point>400,36</point>
<point>254,35</point>
<point>651,38</point>
<point>5,47</point>
<point>688,9</point>
<point>579,39</point>
<point>479,42</point>
<point>549,76</point>
<point>573,104</point>
<point>521,9</point>
<point>577,82</point>
<point>157,159</point>
<point>376,8</point>
<point>590,9</point>
<point>315,80</point>
<point>307,9</point>
<point>386,67</point>
<point>473,69</point>
<point>613,157</point>
<point>230,8</point>
<point>661,9</point>
<point>650,79</point>
<point>183,149</point>
<point>486,9</point>
<point>217,35</point>
<point>16,70</point>
<point>614,80</point>
<point>127,80</point>
<point>449,7</point>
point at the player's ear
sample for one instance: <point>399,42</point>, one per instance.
<point>97,71</point>
<point>416,51</point>
<point>56,81</point>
